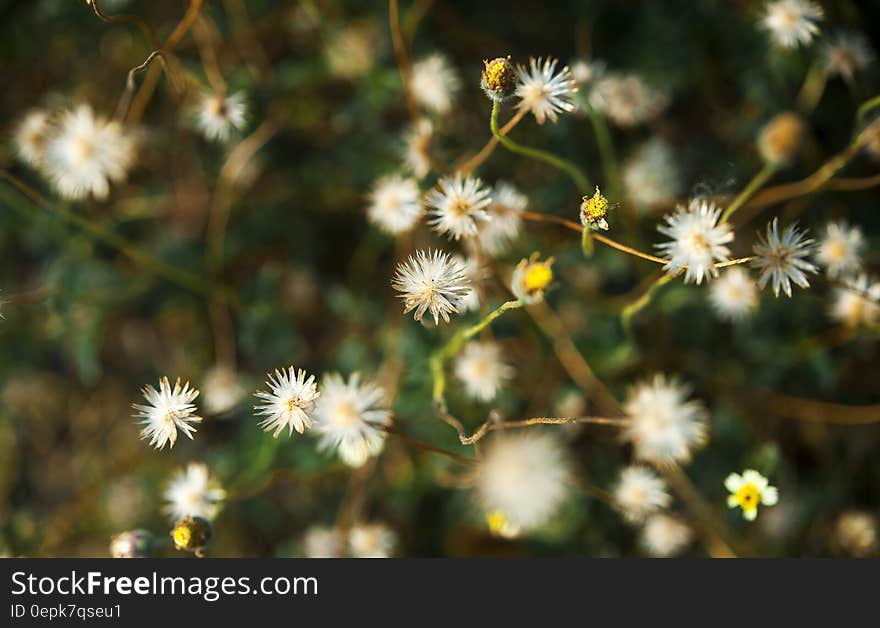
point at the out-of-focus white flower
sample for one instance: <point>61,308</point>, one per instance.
<point>395,204</point>
<point>698,240</point>
<point>847,54</point>
<point>218,115</point>
<point>504,224</point>
<point>543,91</point>
<point>530,279</point>
<point>840,250</point>
<point>170,409</point>
<point>431,281</point>
<point>458,206</point>
<point>373,540</point>
<point>320,542</point>
<point>351,418</point>
<point>651,176</point>
<point>856,533</point>
<point>193,492</point>
<point>434,83</point>
<point>85,152</point>
<point>664,426</point>
<point>288,404</point>
<point>31,136</point>
<point>474,274</point>
<point>857,302</point>
<point>734,295</point>
<point>639,493</point>
<point>222,389</point>
<point>748,491</point>
<point>480,368</point>
<point>132,544</point>
<point>627,100</point>
<point>350,51</point>
<point>525,477</point>
<point>783,259</point>
<point>792,22</point>
<point>585,71</point>
<point>417,148</point>
<point>664,536</point>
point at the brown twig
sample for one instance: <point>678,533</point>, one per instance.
<point>491,426</point>
<point>814,411</point>
<point>402,58</point>
<point>711,529</point>
<point>475,161</point>
<point>429,448</point>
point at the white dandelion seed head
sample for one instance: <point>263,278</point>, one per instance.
<point>525,477</point>
<point>627,100</point>
<point>417,148</point>
<point>372,540</point>
<point>848,53</point>
<point>474,275</point>
<point>505,223</point>
<point>857,302</point>
<point>665,427</point>
<point>434,83</point>
<point>458,206</point>
<point>856,533</point>
<point>651,176</point>
<point>640,492</point>
<point>351,418</point>
<point>217,116</point>
<point>783,259</point>
<point>395,204</point>
<point>193,492</point>
<point>734,295</point>
<point>431,281</point>
<point>85,153</point>
<point>543,91</point>
<point>792,22</point>
<point>840,249</point>
<point>288,404</point>
<point>31,135</point>
<point>320,542</point>
<point>698,240</point>
<point>170,409</point>
<point>221,389</point>
<point>482,371</point>
<point>586,71</point>
<point>664,536</point>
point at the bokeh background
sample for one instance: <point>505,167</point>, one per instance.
<point>85,327</point>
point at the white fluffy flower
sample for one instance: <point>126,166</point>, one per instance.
<point>417,148</point>
<point>373,540</point>
<point>504,224</point>
<point>434,83</point>
<point>783,259</point>
<point>218,115</point>
<point>480,368</point>
<point>524,477</point>
<point>288,404</point>
<point>85,152</point>
<point>395,204</point>
<point>857,302</point>
<point>351,417</point>
<point>664,427</point>
<point>651,176</point>
<point>748,491</point>
<point>543,91</point>
<point>856,533</point>
<point>663,536</point>
<point>474,275</point>
<point>431,281</point>
<point>847,54</point>
<point>792,22</point>
<point>221,389</point>
<point>170,409</point>
<point>193,492</point>
<point>698,240</point>
<point>627,100</point>
<point>585,71</point>
<point>840,250</point>
<point>639,493</point>
<point>320,542</point>
<point>734,295</point>
<point>458,205</point>
<point>31,135</point>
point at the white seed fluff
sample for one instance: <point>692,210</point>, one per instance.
<point>698,240</point>
<point>288,404</point>
<point>734,295</point>
<point>481,370</point>
<point>640,492</point>
<point>395,204</point>
<point>792,22</point>
<point>783,259</point>
<point>431,281</point>
<point>840,249</point>
<point>219,115</point>
<point>193,492</point>
<point>543,91</point>
<point>169,409</point>
<point>458,205</point>
<point>434,83</point>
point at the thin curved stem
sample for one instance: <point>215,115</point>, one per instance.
<point>478,159</point>
<point>491,426</point>
<point>753,186</point>
<point>402,58</point>
<point>130,19</point>
<point>863,110</point>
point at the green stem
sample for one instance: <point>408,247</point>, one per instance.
<point>606,153</point>
<point>863,110</point>
<point>754,185</point>
<point>813,88</point>
<point>579,178</point>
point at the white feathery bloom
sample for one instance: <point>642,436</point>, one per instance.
<point>288,404</point>
<point>504,224</point>
<point>85,152</point>
<point>395,204</point>
<point>524,477</point>
<point>698,240</point>
<point>320,542</point>
<point>31,135</point>
<point>651,176</point>
<point>434,83</point>
<point>221,389</point>
<point>627,100</point>
<point>847,54</point>
<point>856,533</point>
<point>351,417</point>
<point>170,409</point>
<point>792,22</point>
<point>748,491</point>
<point>639,493</point>
<point>664,536</point>
<point>857,302</point>
<point>458,206</point>
<point>431,281</point>
<point>664,426</point>
<point>585,71</point>
<point>543,91</point>
<point>218,115</point>
<point>783,259</point>
<point>734,295</point>
<point>474,275</point>
<point>840,250</point>
<point>417,148</point>
<point>373,540</point>
<point>193,492</point>
<point>480,368</point>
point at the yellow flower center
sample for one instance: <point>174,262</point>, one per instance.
<point>182,536</point>
<point>537,276</point>
<point>748,496</point>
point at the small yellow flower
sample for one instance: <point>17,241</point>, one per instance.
<point>748,491</point>
<point>191,534</point>
<point>500,526</point>
<point>530,278</point>
<point>594,211</point>
<point>498,78</point>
